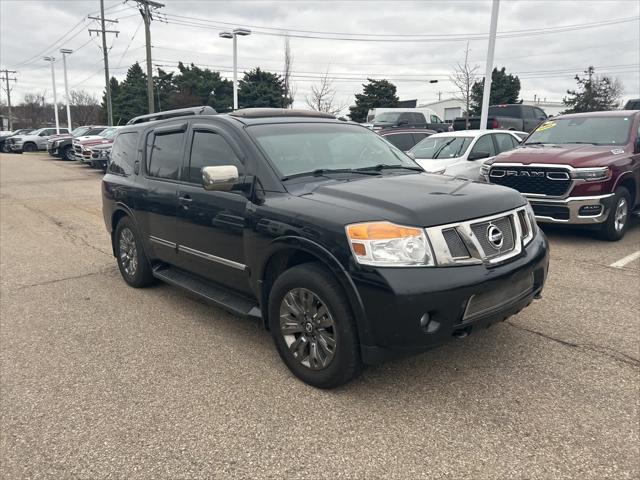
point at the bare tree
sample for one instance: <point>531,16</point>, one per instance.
<point>323,97</point>
<point>85,108</point>
<point>290,91</point>
<point>463,79</point>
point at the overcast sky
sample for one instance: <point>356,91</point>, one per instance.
<point>546,60</point>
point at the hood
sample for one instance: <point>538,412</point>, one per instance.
<point>418,199</point>
<point>435,165</point>
<point>102,146</point>
<point>60,136</point>
<point>91,141</point>
<point>87,137</point>
<point>574,155</point>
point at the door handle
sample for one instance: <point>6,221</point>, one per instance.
<point>186,198</point>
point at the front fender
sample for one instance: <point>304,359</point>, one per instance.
<point>323,255</point>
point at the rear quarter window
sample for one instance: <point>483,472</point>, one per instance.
<point>124,154</point>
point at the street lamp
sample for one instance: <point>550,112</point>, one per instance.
<point>65,52</point>
<point>55,98</point>
<point>234,34</point>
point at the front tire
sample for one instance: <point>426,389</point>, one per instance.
<point>313,328</point>
<point>66,153</point>
<point>30,148</point>
<point>614,228</point>
<point>133,263</point>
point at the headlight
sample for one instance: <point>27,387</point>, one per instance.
<point>591,174</point>
<point>387,244</point>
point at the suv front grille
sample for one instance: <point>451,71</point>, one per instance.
<point>488,240</point>
<point>490,250</point>
<point>552,181</point>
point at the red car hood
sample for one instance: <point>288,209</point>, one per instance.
<point>94,141</point>
<point>574,155</point>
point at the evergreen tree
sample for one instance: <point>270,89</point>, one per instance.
<point>262,89</point>
<point>195,86</point>
<point>376,94</point>
<point>131,99</point>
<point>115,90</point>
<point>594,94</point>
<point>505,88</point>
<point>163,90</point>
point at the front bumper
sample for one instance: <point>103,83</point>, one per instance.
<point>396,300</point>
<point>572,210</point>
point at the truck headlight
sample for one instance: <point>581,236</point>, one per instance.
<point>591,174</point>
<point>385,244</point>
<point>532,219</point>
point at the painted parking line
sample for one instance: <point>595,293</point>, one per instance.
<point>626,260</point>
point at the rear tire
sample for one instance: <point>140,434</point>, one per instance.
<point>132,261</point>
<point>614,228</point>
<point>29,148</point>
<point>313,328</point>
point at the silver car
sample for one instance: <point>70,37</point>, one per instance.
<point>34,141</point>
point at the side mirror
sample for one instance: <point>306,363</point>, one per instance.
<point>478,155</point>
<point>403,122</point>
<point>220,179</point>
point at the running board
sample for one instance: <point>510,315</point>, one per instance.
<point>218,296</point>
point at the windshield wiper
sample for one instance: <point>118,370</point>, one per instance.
<point>319,172</point>
<point>384,166</point>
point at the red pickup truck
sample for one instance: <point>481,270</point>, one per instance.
<point>578,169</point>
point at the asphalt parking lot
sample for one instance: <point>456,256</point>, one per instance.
<point>99,380</point>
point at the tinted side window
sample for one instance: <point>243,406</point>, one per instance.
<point>124,153</point>
<point>505,142</point>
<point>165,156</point>
<point>540,113</point>
<point>403,141</point>
<point>418,118</point>
<point>209,149</point>
<point>435,119</point>
<point>485,144</point>
<point>405,118</point>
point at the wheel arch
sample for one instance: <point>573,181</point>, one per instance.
<point>121,211</point>
<point>287,252</point>
<point>629,183</point>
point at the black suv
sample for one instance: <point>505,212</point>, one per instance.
<point>331,236</point>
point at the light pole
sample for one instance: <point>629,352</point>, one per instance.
<point>65,52</point>
<point>234,34</point>
<point>55,98</point>
<point>484,114</point>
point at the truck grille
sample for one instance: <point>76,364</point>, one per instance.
<point>551,181</point>
<point>481,231</point>
<point>488,240</point>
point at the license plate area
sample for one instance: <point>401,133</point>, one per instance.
<point>486,302</point>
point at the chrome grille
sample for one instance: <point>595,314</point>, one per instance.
<point>481,231</point>
<point>455,243</point>
<point>490,240</point>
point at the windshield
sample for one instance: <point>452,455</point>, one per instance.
<point>387,117</point>
<point>80,131</point>
<point>432,148</point>
<point>307,147</point>
<point>591,130</point>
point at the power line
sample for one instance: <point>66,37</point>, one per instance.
<point>272,31</point>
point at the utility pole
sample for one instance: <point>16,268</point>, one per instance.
<point>105,54</point>
<point>145,10</point>
<point>55,98</point>
<point>65,52</point>
<point>484,116</point>
<point>7,80</point>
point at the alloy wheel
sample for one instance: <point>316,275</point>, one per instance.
<point>308,328</point>
<point>621,213</point>
<point>128,252</point>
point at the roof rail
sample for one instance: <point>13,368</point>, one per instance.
<point>278,112</point>
<point>181,112</point>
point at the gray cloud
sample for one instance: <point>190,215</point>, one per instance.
<point>29,27</point>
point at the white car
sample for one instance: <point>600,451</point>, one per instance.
<point>462,153</point>
<point>33,141</point>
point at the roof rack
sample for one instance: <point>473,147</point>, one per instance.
<point>181,112</point>
<point>278,112</point>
